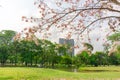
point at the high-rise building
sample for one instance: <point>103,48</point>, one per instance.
<point>70,43</point>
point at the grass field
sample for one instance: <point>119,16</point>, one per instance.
<point>18,73</point>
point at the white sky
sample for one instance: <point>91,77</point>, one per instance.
<point>11,12</point>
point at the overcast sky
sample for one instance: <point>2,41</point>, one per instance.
<point>11,12</point>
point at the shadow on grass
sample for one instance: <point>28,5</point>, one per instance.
<point>99,71</point>
<point>86,70</point>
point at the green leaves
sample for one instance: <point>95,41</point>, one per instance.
<point>89,46</point>
<point>114,37</point>
<point>6,36</point>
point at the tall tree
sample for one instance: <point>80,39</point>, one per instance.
<point>27,50</point>
<point>6,38</point>
<point>3,54</point>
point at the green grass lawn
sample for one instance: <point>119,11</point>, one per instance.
<point>18,73</point>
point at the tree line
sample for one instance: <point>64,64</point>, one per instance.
<point>48,54</point>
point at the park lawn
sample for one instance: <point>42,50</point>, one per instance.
<point>25,73</point>
<point>102,68</point>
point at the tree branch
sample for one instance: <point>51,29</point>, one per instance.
<point>96,21</point>
<point>115,2</point>
<point>99,8</point>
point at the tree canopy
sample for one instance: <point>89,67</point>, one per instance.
<point>114,37</point>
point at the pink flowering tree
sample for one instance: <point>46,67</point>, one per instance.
<point>77,17</point>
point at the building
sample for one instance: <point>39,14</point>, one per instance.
<point>70,43</point>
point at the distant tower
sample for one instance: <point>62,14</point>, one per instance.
<point>69,42</point>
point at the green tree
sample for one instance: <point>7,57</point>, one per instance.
<point>93,59</point>
<point>83,57</point>
<point>63,49</point>
<point>66,60</point>
<point>114,59</point>
<point>114,37</point>
<point>101,58</point>
<point>37,52</point>
<point>6,38</point>
<point>49,55</point>
<point>3,54</point>
<point>26,50</point>
<point>14,55</point>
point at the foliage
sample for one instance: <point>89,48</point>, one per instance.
<point>101,58</point>
<point>118,49</point>
<point>3,54</point>
<point>93,60</point>
<point>114,37</point>
<point>66,60</point>
<point>89,46</point>
<point>83,58</point>
<point>49,55</point>
<point>6,36</point>
<point>114,59</point>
